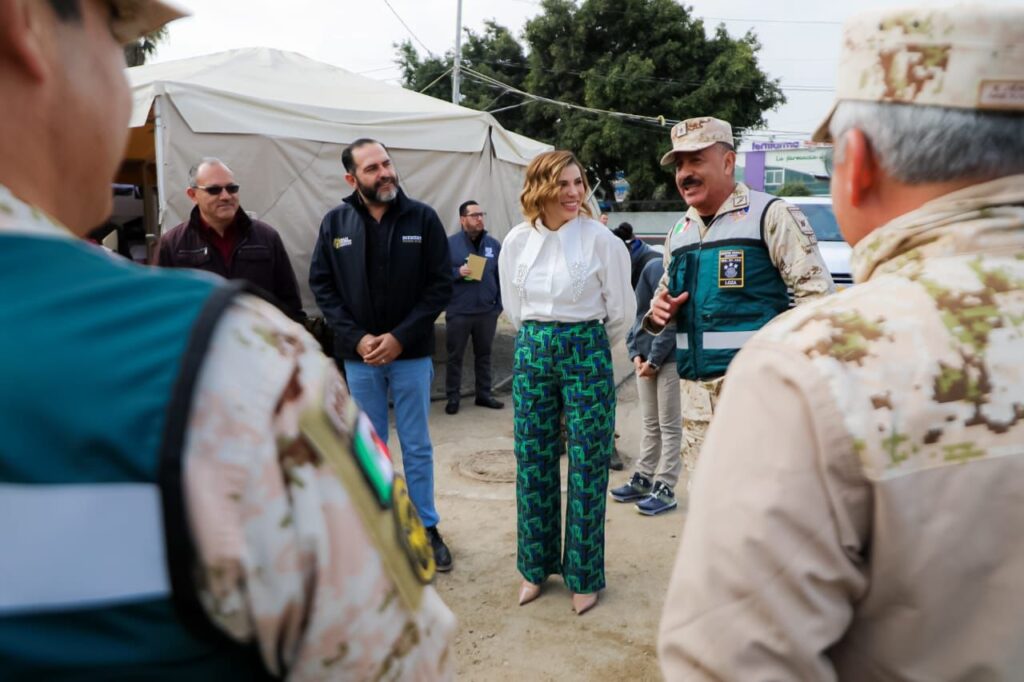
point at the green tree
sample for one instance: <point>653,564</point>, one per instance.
<point>136,53</point>
<point>653,58</point>
<point>648,57</point>
<point>793,188</point>
<point>495,53</point>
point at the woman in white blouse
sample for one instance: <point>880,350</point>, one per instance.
<point>565,286</point>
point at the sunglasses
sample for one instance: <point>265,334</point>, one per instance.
<point>475,215</point>
<point>215,190</point>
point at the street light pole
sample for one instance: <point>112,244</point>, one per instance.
<point>456,76</point>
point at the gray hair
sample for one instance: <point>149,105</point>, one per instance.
<point>193,172</point>
<point>922,144</point>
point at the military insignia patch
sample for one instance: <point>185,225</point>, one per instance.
<point>803,223</point>
<point>374,460</point>
<point>730,269</point>
<point>411,533</point>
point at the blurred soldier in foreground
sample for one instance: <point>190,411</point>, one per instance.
<point>857,510</point>
<point>187,492</point>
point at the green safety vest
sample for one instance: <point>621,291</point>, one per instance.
<point>99,361</point>
<point>735,289</point>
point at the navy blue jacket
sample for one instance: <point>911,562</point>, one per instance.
<point>470,297</point>
<point>419,280</point>
<point>655,349</point>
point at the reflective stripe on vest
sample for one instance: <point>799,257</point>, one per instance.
<point>717,340</point>
<point>80,546</point>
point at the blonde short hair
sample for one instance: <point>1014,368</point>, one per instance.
<point>541,184</point>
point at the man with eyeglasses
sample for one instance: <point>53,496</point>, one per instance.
<point>475,306</point>
<point>220,237</point>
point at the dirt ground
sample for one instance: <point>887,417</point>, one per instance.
<point>475,493</point>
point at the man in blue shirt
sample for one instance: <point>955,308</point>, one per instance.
<point>474,308</point>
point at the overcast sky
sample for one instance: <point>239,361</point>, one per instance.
<point>799,38</point>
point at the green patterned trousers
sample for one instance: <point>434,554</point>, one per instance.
<point>562,367</point>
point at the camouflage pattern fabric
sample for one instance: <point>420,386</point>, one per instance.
<point>562,367</point>
<point>859,492</point>
<point>956,57</point>
<point>284,561</point>
<point>698,405</point>
<point>934,332</point>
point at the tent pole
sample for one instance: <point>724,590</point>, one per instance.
<point>456,76</point>
<point>158,132</point>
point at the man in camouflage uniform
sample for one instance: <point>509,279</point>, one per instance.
<point>151,527</point>
<point>857,512</point>
<point>728,263</point>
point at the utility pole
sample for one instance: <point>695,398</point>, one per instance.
<point>456,76</point>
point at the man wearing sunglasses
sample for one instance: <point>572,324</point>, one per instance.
<point>474,308</point>
<point>221,238</point>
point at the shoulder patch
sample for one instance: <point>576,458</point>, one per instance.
<point>802,222</point>
<point>411,533</point>
<point>343,437</point>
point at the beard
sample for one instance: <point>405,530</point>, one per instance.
<point>380,193</point>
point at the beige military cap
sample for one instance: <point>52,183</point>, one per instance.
<point>963,57</point>
<point>136,18</point>
<point>695,134</point>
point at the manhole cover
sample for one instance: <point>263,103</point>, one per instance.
<point>490,466</point>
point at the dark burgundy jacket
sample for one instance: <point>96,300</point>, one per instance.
<point>258,258</point>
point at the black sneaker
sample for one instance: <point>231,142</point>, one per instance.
<point>491,402</point>
<point>452,407</point>
<point>639,487</point>
<point>442,557</point>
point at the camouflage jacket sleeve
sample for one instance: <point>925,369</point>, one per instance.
<point>767,575</point>
<point>794,251</point>
<point>285,559</point>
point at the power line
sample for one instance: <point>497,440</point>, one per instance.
<point>658,122</point>
<point>648,79</point>
<point>773,21</point>
<point>402,21</point>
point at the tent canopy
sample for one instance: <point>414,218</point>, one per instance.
<point>261,91</point>
<point>280,121</point>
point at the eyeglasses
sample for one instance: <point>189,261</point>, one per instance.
<point>475,215</point>
<point>215,190</point>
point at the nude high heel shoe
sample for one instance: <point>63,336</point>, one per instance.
<point>528,592</point>
<point>581,603</point>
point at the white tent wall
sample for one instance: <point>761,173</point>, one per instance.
<point>291,183</point>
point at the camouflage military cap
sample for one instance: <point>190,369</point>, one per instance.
<point>695,134</point>
<point>133,19</point>
<point>963,57</point>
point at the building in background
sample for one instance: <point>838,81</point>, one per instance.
<point>767,166</point>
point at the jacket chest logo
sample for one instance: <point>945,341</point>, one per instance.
<point>412,239</point>
<point>730,269</point>
<point>342,241</point>
<point>488,252</point>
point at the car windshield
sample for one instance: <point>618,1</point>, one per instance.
<point>823,220</point>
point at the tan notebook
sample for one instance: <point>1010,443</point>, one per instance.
<point>476,266</point>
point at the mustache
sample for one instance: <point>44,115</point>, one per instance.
<point>689,182</point>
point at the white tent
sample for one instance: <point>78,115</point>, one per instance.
<point>281,120</point>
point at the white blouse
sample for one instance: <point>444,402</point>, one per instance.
<point>577,273</point>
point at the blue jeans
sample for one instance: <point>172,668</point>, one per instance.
<point>409,381</point>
